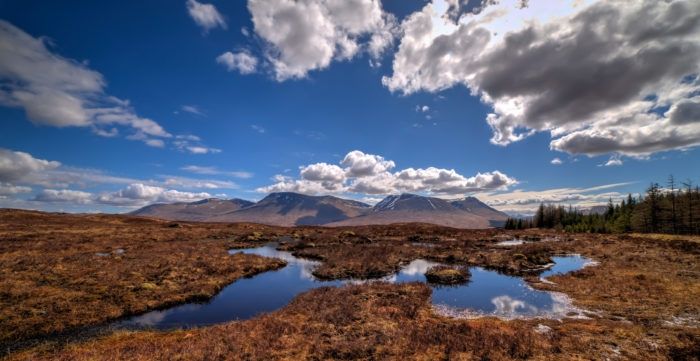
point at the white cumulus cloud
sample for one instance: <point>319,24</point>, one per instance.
<point>243,61</point>
<point>7,189</point>
<point>308,35</point>
<point>594,74</point>
<point>370,174</point>
<point>140,194</point>
<point>63,196</point>
<point>14,166</point>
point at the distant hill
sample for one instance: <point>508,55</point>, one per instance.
<point>475,206</point>
<point>467,213</point>
<point>601,209</point>
<point>294,209</point>
<point>203,210</point>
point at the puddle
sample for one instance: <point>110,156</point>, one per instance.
<point>518,241</point>
<point>487,293</point>
<point>512,242</point>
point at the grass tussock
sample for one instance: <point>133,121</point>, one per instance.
<point>447,275</point>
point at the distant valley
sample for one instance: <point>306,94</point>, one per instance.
<point>294,209</point>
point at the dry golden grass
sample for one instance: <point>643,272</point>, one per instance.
<point>666,237</point>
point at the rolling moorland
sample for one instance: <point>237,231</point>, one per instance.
<point>66,278</point>
<point>350,180</point>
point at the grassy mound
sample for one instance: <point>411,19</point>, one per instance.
<point>447,275</point>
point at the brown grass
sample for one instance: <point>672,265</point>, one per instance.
<point>644,295</point>
<point>369,253</point>
<point>53,280</point>
<point>380,321</point>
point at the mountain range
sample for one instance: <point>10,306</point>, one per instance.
<point>294,209</point>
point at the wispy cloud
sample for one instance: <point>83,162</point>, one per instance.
<point>192,109</point>
<point>205,15</point>
<point>311,134</point>
<point>210,170</point>
<point>525,202</point>
<point>614,161</point>
<point>193,144</point>
<point>61,92</point>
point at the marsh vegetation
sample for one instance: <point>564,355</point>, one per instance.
<point>640,300</point>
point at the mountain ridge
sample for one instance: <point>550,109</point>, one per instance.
<point>296,209</point>
<point>200,210</point>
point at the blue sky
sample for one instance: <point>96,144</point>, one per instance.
<point>240,130</point>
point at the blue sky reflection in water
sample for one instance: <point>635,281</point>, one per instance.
<point>488,292</point>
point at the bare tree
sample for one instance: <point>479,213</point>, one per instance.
<point>688,184</point>
<point>672,186</point>
<point>653,199</point>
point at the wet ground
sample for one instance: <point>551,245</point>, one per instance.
<point>487,293</point>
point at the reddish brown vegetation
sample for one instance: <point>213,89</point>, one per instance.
<point>62,272</point>
<point>380,321</point>
<point>643,294</point>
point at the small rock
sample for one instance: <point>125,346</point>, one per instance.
<point>543,329</point>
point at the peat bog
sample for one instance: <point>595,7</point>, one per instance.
<point>487,293</point>
<point>640,301</point>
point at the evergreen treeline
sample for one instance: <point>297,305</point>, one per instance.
<point>674,209</point>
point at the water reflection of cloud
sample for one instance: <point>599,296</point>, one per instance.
<point>511,242</point>
<point>507,305</point>
<point>148,319</point>
<point>417,267</point>
<point>305,266</point>
<point>505,293</point>
<point>562,306</point>
<point>154,318</point>
<point>306,271</point>
<point>357,281</point>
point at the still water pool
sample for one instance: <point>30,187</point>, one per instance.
<point>487,293</point>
